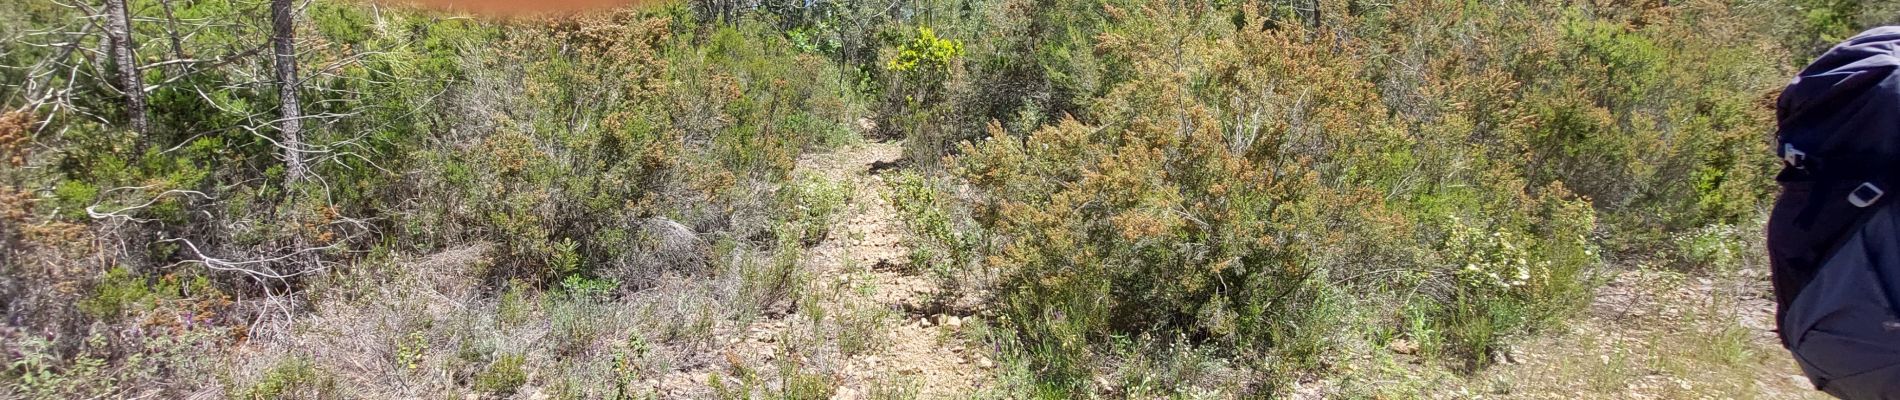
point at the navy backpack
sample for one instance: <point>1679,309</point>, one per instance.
<point>1834,236</point>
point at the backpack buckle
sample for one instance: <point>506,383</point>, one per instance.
<point>1793,157</point>
<point>1865,195</point>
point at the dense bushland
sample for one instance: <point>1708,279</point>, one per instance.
<point>607,154</point>
<point>1149,197</point>
<point>1283,184</point>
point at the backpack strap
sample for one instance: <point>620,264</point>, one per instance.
<point>1860,189</point>
<point>1854,195</point>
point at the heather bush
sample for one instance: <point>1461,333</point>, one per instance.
<point>916,99</point>
<point>1819,24</point>
<point>502,377</point>
<point>292,379</point>
<point>1226,195</point>
<point>1266,189</point>
<point>1036,64</point>
<point>635,148</point>
<point>940,244</point>
<point>1164,223</point>
<point>815,204</point>
<point>633,139</point>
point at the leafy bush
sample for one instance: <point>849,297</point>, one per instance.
<point>1265,191</point>
<point>926,54</point>
<point>801,385</point>
<point>916,105</point>
<point>1167,224</point>
<point>630,132</point>
<point>116,294</point>
<point>813,205</point>
<point>940,246</point>
<point>293,378</point>
<point>502,377</point>
<point>1515,278</point>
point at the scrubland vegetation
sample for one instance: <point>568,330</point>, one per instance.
<point>1123,198</point>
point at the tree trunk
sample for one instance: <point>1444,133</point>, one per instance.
<point>290,128</point>
<point>284,51</point>
<point>119,38</point>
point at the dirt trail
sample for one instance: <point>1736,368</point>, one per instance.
<point>869,329</point>
<point>1661,335</point>
<point>866,327</point>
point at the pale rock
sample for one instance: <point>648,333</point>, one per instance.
<point>1801,381</point>
<point>844,394</point>
<point>1402,346</point>
<point>984,362</point>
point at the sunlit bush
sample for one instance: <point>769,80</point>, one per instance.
<point>1243,186</point>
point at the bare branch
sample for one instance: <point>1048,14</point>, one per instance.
<point>120,214</point>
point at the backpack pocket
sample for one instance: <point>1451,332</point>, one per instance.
<point>1842,326</point>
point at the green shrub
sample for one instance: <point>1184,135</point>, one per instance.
<point>1819,24</point>
<point>292,378</point>
<point>629,366</point>
<point>778,280</point>
<point>1514,281</point>
<point>34,367</point>
<point>513,307</point>
<point>1717,248</point>
<point>1036,62</point>
<point>1190,216</point>
<point>862,328</point>
<point>575,324</point>
<point>119,292</point>
<point>938,244</point>
<point>926,54</point>
<point>915,100</point>
<point>802,385</point>
<point>812,204</point>
<point>631,132</point>
<point>503,376</point>
<point>411,350</point>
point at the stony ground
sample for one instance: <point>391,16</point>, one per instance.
<point>1649,334</point>
<point>1663,335</point>
<point>868,323</point>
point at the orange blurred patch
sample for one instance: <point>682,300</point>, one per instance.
<point>521,7</point>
